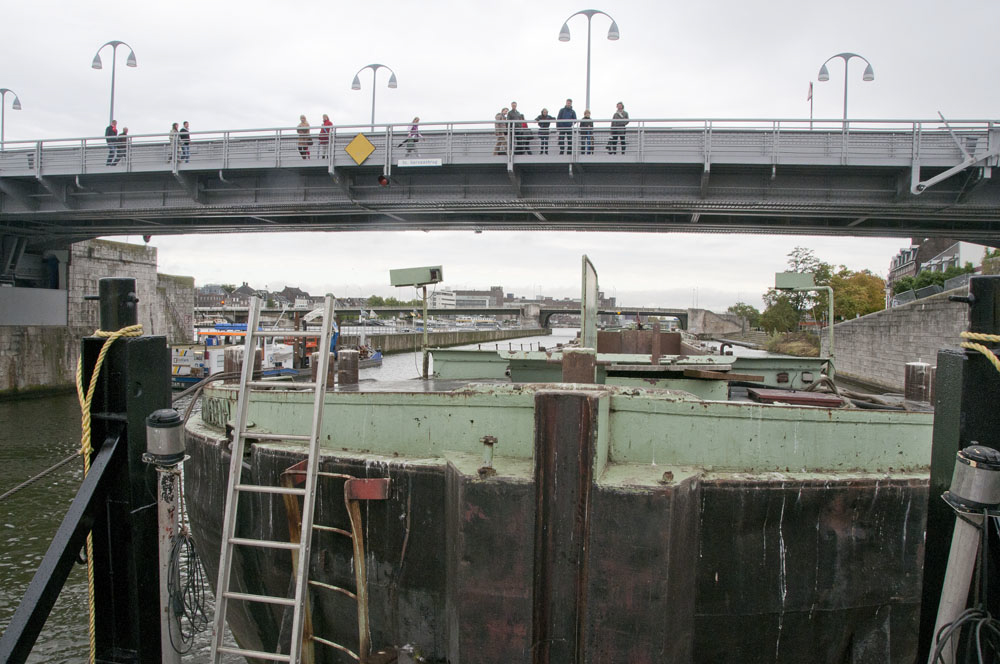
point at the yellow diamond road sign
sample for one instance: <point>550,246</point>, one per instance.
<point>360,148</point>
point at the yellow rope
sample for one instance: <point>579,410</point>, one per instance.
<point>86,449</point>
<point>989,354</point>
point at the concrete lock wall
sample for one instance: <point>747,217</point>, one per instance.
<point>705,322</point>
<point>43,357</point>
<point>875,348</point>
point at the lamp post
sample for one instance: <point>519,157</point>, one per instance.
<point>3,105</point>
<point>96,64</point>
<point>613,35</point>
<point>356,83</point>
<point>824,73</point>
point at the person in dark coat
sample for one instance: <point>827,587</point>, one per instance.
<point>111,136</point>
<point>618,122</point>
<point>518,127</point>
<point>566,128</point>
<point>185,140</point>
<point>586,134</point>
<point>543,120</point>
<point>121,146</point>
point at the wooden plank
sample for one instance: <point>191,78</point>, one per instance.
<point>796,397</point>
<point>719,375</point>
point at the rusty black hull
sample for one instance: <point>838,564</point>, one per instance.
<point>707,569</point>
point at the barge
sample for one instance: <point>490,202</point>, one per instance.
<point>626,519</point>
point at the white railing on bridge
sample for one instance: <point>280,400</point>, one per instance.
<point>666,141</point>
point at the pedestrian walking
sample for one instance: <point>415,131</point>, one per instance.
<point>324,137</point>
<point>500,127</point>
<point>543,120</point>
<point>184,136</point>
<point>412,137</point>
<point>566,128</point>
<point>111,137</point>
<point>586,134</point>
<point>172,143</point>
<point>305,139</point>
<point>618,122</point>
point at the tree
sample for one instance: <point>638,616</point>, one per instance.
<point>229,288</point>
<point>802,259</point>
<point>781,314</point>
<point>746,311</point>
<point>856,293</point>
<point>929,278</point>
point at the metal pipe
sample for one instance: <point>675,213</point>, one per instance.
<point>426,358</point>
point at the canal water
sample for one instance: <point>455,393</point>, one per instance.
<point>37,433</point>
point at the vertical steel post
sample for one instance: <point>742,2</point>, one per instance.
<point>426,357</point>
<point>134,381</point>
<point>167,516</point>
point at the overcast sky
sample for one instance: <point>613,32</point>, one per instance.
<point>252,63</point>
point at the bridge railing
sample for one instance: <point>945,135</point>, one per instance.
<point>669,141</point>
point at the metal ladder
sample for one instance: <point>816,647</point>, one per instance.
<point>299,550</point>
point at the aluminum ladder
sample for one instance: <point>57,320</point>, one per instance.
<point>299,550</point>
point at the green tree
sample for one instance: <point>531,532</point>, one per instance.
<point>856,293</point>
<point>229,288</point>
<point>803,259</point>
<point>781,314</point>
<point>746,311</point>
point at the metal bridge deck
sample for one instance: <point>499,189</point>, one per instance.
<point>777,176</point>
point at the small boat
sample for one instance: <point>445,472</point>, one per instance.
<point>191,363</point>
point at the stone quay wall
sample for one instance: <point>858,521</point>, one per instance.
<point>40,358</point>
<point>875,349</point>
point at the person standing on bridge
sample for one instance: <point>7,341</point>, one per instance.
<point>111,136</point>
<point>122,145</point>
<point>324,137</point>
<point>305,140</point>
<point>618,122</point>
<point>586,134</point>
<point>172,143</point>
<point>412,137</point>
<point>543,120</point>
<point>184,135</point>
<point>566,128</point>
<point>501,131</point>
<point>517,128</point>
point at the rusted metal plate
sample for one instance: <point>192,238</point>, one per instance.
<point>718,375</point>
<point>367,489</point>
<point>795,397</point>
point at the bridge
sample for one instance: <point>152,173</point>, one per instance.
<point>239,314</point>
<point>860,178</point>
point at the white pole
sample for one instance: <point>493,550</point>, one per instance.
<point>167,514</point>
<point>955,592</point>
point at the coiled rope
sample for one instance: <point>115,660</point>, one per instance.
<point>989,354</point>
<point>86,449</point>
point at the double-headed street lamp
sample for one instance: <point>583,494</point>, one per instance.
<point>613,35</point>
<point>96,64</point>
<point>824,73</point>
<point>3,105</point>
<point>356,83</point>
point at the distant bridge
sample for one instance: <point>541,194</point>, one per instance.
<point>545,313</point>
<point>862,178</point>
<point>239,314</point>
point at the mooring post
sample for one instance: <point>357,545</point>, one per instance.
<point>134,381</point>
<point>566,425</point>
<point>347,367</point>
<point>579,365</point>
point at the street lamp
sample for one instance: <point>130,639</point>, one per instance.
<point>356,83</point>
<point>824,73</point>
<point>613,35</point>
<point>96,64</point>
<point>3,105</point>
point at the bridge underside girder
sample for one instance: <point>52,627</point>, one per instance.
<point>855,201</point>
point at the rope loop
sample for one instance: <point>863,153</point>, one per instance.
<point>986,352</point>
<point>85,399</point>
